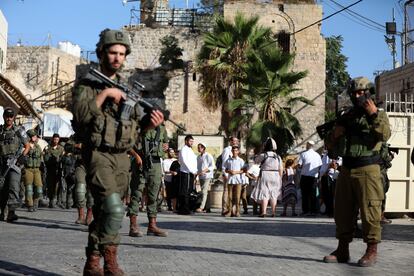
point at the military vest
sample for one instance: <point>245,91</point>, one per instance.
<point>68,162</point>
<point>53,155</point>
<point>108,130</point>
<point>152,142</point>
<point>34,157</point>
<point>10,140</point>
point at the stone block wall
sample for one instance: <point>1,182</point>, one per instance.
<point>47,67</point>
<point>309,48</point>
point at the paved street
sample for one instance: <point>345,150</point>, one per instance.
<point>49,243</point>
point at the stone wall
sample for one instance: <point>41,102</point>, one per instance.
<point>309,48</point>
<point>397,84</point>
<point>188,110</point>
<point>45,67</point>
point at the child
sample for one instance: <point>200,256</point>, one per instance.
<point>289,196</point>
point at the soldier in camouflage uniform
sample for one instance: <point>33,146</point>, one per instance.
<point>153,144</point>
<point>12,140</point>
<point>83,196</point>
<point>53,154</point>
<point>67,176</point>
<point>106,138</point>
<point>357,137</point>
<point>32,174</point>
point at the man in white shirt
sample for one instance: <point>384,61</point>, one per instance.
<point>188,168</point>
<point>309,162</point>
<point>205,168</point>
<point>224,156</point>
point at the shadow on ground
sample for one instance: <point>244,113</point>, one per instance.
<point>22,269</point>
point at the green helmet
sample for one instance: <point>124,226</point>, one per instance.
<point>31,133</point>
<point>360,83</point>
<point>109,37</point>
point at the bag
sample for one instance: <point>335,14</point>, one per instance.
<point>195,200</point>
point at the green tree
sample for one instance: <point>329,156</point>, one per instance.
<point>337,75</point>
<point>222,60</point>
<point>171,53</point>
<point>269,94</point>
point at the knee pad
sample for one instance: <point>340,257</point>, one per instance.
<point>38,192</point>
<point>29,191</point>
<point>80,192</point>
<point>113,212</point>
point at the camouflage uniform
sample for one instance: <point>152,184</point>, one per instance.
<point>151,152</point>
<point>359,184</point>
<point>52,158</point>
<point>32,175</point>
<point>11,141</point>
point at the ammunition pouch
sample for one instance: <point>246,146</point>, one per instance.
<point>114,213</point>
<point>357,162</point>
<point>126,134</point>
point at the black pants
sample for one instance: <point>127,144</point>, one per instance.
<point>327,192</point>
<point>308,188</point>
<point>184,190</point>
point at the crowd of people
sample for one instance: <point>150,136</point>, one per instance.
<point>119,157</point>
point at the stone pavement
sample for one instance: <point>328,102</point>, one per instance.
<point>49,243</point>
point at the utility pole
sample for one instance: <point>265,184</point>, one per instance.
<point>391,29</point>
<point>407,43</point>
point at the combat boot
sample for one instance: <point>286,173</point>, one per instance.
<point>340,255</point>
<point>134,227</point>
<point>35,204</point>
<point>153,230</point>
<point>384,220</point>
<point>111,266</point>
<point>92,265</point>
<point>11,216</point>
<point>89,216</point>
<point>370,256</point>
<point>81,216</point>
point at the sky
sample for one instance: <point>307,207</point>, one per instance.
<point>46,22</point>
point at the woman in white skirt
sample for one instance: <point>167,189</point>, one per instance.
<point>269,184</point>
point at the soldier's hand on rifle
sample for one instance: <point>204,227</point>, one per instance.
<point>117,96</point>
<point>156,118</point>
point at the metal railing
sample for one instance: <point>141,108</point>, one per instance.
<point>399,102</point>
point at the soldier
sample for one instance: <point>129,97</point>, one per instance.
<point>153,144</point>
<point>106,137</point>
<point>32,175</point>
<point>12,140</point>
<point>67,176</point>
<point>83,196</point>
<point>357,137</point>
<point>52,156</point>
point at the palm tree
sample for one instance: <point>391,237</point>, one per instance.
<point>269,93</point>
<point>222,59</point>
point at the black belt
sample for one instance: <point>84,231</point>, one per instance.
<point>356,162</point>
<point>107,149</point>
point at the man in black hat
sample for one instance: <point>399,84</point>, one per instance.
<point>13,143</point>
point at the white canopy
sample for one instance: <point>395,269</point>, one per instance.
<point>57,120</point>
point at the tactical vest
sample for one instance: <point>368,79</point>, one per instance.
<point>152,142</point>
<point>53,155</point>
<point>9,140</point>
<point>68,164</point>
<point>108,131</point>
<point>34,157</point>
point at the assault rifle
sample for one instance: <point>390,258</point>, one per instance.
<point>133,98</point>
<point>341,119</point>
<point>11,164</point>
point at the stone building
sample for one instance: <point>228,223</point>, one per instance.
<point>47,69</point>
<point>286,18</point>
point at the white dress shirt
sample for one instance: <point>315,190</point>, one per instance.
<point>310,161</point>
<point>187,160</point>
<point>234,164</point>
<point>205,161</point>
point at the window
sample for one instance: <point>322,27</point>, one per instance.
<point>283,40</point>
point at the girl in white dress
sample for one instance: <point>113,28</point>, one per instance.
<point>269,184</point>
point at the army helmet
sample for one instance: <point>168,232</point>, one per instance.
<point>109,37</point>
<point>31,133</point>
<point>360,83</point>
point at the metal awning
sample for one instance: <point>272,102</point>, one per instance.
<point>11,96</point>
